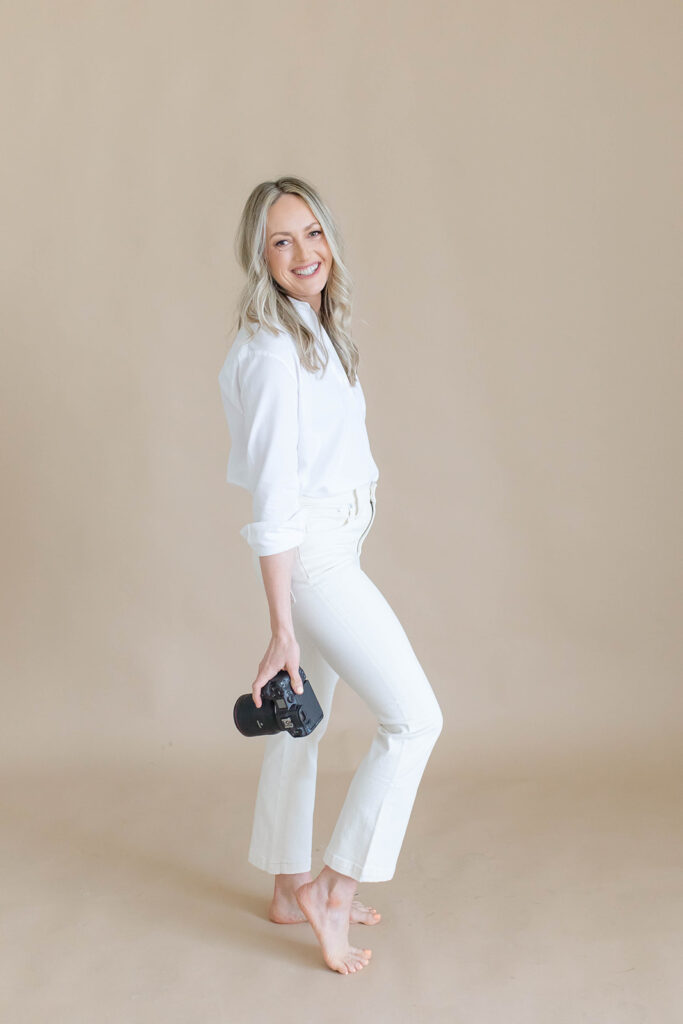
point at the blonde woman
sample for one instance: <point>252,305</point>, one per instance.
<point>296,416</point>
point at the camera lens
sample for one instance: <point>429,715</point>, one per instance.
<point>253,721</point>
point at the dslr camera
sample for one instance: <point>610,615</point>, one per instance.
<point>281,710</point>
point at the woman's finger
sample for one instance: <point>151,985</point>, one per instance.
<point>256,688</point>
<point>297,685</point>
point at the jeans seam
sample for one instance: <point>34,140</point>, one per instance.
<point>366,531</point>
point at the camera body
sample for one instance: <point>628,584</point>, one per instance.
<point>282,710</point>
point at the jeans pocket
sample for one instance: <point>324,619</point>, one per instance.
<point>328,518</point>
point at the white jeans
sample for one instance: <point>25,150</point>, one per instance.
<point>345,627</point>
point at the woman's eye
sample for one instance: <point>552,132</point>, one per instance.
<point>315,231</point>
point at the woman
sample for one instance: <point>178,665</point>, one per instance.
<point>296,414</point>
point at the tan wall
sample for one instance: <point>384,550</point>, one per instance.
<point>505,177</point>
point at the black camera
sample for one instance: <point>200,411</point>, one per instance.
<point>281,708</point>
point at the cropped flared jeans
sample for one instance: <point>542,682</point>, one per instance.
<point>346,628</point>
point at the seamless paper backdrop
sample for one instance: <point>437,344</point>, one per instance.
<point>507,179</point>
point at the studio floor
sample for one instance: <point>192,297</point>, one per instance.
<point>524,894</point>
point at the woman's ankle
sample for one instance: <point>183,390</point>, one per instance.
<point>289,883</point>
<point>337,884</point>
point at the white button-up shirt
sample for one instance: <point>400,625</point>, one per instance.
<point>292,432</point>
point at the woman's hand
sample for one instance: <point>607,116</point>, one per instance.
<point>283,652</point>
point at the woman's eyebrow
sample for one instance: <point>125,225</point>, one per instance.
<point>289,232</point>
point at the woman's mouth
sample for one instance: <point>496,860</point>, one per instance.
<point>308,271</point>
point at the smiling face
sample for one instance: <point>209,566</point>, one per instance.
<point>297,252</point>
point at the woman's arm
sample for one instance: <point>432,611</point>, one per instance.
<point>269,399</point>
<point>283,649</point>
<point>270,408</point>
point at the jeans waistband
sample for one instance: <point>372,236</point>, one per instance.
<point>354,496</point>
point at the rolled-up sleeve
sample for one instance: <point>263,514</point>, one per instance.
<point>269,397</point>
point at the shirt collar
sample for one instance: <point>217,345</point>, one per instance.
<point>309,315</point>
<point>304,309</point>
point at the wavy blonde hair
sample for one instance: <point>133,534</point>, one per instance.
<point>264,303</point>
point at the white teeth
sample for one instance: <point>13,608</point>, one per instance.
<point>308,272</point>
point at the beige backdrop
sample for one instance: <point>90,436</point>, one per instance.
<point>507,178</point>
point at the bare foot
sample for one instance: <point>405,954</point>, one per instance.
<point>286,910</point>
<point>360,914</point>
<point>283,908</point>
<point>326,902</point>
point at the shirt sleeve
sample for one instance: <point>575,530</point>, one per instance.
<point>270,405</point>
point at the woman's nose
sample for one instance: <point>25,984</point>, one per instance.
<point>301,251</point>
